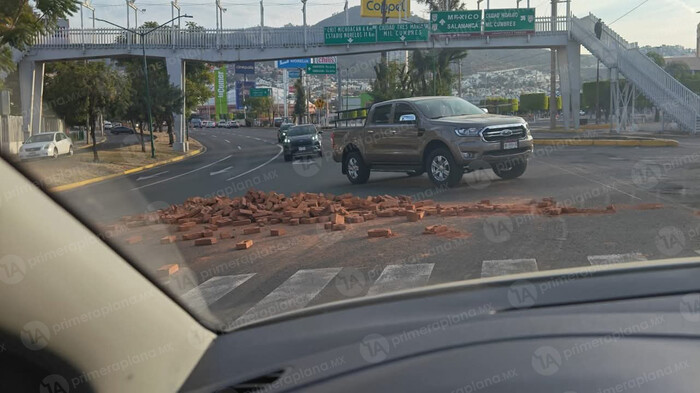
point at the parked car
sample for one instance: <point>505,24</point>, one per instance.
<point>107,125</point>
<point>302,140</point>
<point>211,124</point>
<point>278,121</point>
<point>282,132</point>
<point>46,144</point>
<point>196,123</point>
<point>234,124</point>
<point>445,136</point>
<point>122,130</point>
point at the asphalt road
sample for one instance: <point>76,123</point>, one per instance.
<point>316,266</point>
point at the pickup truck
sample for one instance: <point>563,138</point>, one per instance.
<point>444,136</point>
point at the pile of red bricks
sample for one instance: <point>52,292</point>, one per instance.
<point>258,209</point>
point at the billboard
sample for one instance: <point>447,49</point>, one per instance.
<point>394,8</point>
<point>294,63</point>
<point>294,73</point>
<point>244,67</point>
<point>220,89</point>
<point>242,91</point>
<point>326,60</point>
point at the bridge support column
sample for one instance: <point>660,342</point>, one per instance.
<point>564,86</point>
<point>176,74</point>
<point>31,82</point>
<point>573,51</point>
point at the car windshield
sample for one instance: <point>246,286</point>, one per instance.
<point>320,193</point>
<point>301,130</point>
<point>445,107</point>
<point>40,138</point>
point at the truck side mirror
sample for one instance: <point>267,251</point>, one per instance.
<point>408,118</point>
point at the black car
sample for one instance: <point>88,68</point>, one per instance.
<point>302,140</point>
<point>282,132</point>
<point>122,130</point>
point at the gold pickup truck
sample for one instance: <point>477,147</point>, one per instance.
<point>444,136</point>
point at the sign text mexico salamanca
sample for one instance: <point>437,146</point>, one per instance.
<point>455,22</point>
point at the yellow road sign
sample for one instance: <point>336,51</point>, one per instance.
<point>394,8</point>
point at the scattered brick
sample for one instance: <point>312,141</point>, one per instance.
<point>369,216</point>
<point>245,244</point>
<point>211,227</point>
<point>337,219</point>
<point>225,235</point>
<point>239,223</point>
<point>381,232</point>
<point>415,216</point>
<point>433,229</point>
<point>134,239</point>
<point>294,221</point>
<point>277,232</point>
<point>248,231</point>
<point>186,226</point>
<point>168,239</point>
<point>191,235</point>
<point>207,241</point>
<point>168,270</point>
<point>338,227</point>
<point>135,224</point>
<point>328,225</point>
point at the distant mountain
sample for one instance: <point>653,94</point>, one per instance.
<point>668,50</point>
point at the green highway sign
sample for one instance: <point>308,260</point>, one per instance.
<point>342,35</point>
<point>402,32</point>
<point>455,22</point>
<point>320,69</point>
<point>260,92</point>
<point>509,20</point>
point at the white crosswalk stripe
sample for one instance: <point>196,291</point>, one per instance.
<point>293,294</point>
<point>213,289</point>
<point>615,258</point>
<point>502,267</point>
<point>397,277</point>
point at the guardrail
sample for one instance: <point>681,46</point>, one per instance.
<point>253,37</point>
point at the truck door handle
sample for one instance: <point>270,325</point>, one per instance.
<point>393,132</point>
<point>370,132</point>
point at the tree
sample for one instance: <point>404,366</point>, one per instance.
<point>198,79</point>
<point>589,89</point>
<point>533,102</point>
<point>300,103</point>
<point>259,106</point>
<point>657,58</point>
<point>21,22</point>
<point>679,71</point>
<point>436,5</point>
<point>392,81</point>
<point>79,90</point>
<point>430,71</point>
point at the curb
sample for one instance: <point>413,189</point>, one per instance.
<point>90,145</point>
<point>85,182</point>
<point>608,142</point>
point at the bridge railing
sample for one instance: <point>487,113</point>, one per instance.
<point>268,37</point>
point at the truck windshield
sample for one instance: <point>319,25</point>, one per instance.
<point>448,106</point>
<point>301,130</point>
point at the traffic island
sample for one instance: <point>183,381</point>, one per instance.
<point>607,141</point>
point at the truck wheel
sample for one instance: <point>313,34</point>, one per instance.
<point>510,169</point>
<point>357,171</point>
<point>442,168</point>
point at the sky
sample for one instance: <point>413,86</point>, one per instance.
<point>655,22</point>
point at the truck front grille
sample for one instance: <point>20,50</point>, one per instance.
<point>499,133</point>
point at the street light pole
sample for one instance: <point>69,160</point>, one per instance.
<point>143,35</point>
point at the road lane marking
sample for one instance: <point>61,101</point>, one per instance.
<point>221,171</point>
<point>293,294</point>
<point>213,289</point>
<point>398,277</point>
<point>239,147</point>
<point>183,174</point>
<point>150,176</point>
<point>227,141</point>
<point>502,267</point>
<point>257,167</point>
<point>596,260</point>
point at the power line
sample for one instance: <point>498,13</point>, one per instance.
<point>628,12</point>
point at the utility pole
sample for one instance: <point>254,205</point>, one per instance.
<point>597,94</point>
<point>553,74</point>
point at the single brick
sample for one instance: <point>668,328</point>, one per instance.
<point>191,236</point>
<point>167,270</point>
<point>386,213</point>
<point>168,239</point>
<point>328,225</point>
<point>294,221</point>
<point>186,226</point>
<point>380,232</point>
<point>239,223</point>
<point>207,241</point>
<point>277,232</point>
<point>207,233</point>
<point>245,244</point>
<point>225,235</point>
<point>337,218</point>
<point>248,231</point>
<point>415,216</point>
<point>338,227</point>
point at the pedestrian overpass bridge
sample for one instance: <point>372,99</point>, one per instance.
<point>563,34</point>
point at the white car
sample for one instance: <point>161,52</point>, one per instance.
<point>211,124</point>
<point>108,125</point>
<point>46,144</point>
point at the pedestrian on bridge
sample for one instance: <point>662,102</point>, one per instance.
<point>598,29</point>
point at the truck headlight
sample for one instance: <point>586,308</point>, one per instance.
<point>314,138</point>
<point>286,140</point>
<point>467,131</point>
